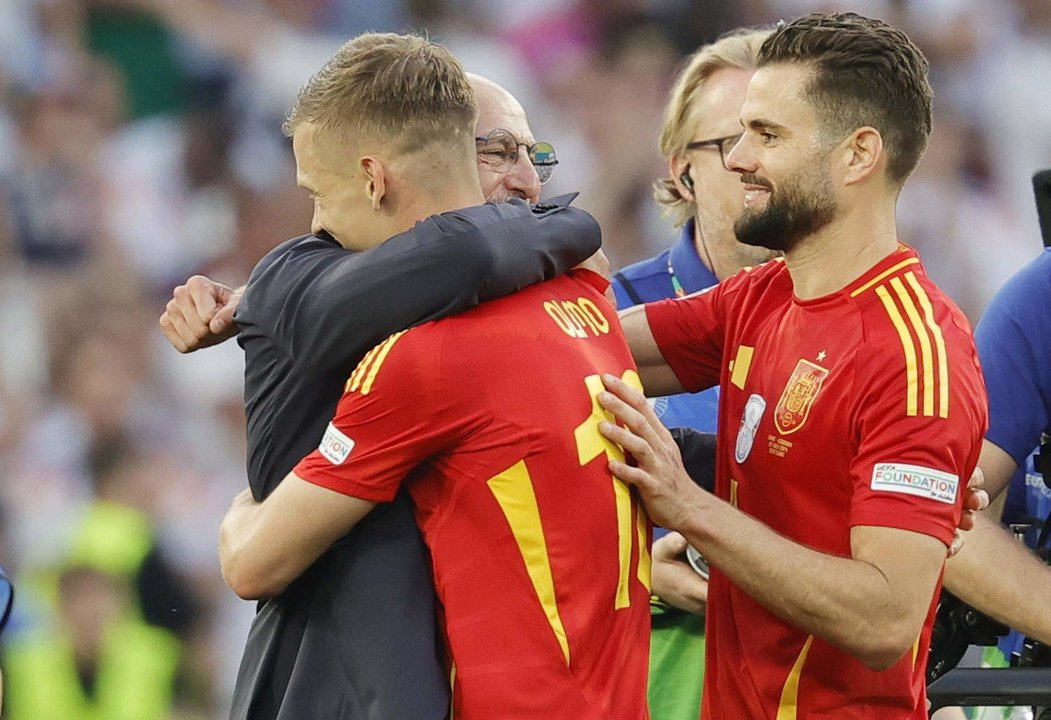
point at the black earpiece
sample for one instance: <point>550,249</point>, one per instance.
<point>686,180</point>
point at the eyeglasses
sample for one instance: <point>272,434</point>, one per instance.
<point>725,145</point>
<point>7,597</point>
<point>499,151</point>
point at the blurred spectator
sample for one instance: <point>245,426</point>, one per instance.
<point>96,661</point>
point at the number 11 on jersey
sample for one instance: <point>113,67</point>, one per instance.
<point>590,445</point>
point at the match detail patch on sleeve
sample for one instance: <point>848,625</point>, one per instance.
<point>335,446</point>
<point>916,480</point>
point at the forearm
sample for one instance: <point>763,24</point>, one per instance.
<point>999,576</point>
<point>239,568</point>
<point>264,546</point>
<point>327,306</point>
<point>254,563</point>
<point>847,602</point>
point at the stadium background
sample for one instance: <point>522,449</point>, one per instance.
<point>140,143</point>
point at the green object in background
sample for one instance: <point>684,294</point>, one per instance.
<point>139,46</point>
<point>676,664</point>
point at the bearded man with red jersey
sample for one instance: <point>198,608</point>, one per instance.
<point>852,404</point>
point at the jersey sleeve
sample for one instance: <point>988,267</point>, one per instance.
<point>1013,339</point>
<point>324,306</point>
<point>392,416</point>
<point>918,432</point>
<point>690,333</point>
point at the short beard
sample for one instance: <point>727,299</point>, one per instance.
<point>804,204</point>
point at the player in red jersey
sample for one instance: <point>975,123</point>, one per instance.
<point>540,557</point>
<point>852,402</point>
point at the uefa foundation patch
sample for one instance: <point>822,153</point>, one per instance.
<point>335,446</point>
<point>916,480</point>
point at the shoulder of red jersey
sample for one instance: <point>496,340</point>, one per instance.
<point>754,278</point>
<point>395,360</point>
<point>918,330</point>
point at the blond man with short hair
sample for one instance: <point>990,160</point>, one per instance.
<point>383,137</point>
<point>540,559</point>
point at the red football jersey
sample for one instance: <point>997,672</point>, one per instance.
<point>862,407</point>
<point>541,558</point>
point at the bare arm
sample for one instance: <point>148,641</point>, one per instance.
<point>657,377</point>
<point>997,467</point>
<point>871,605</point>
<point>265,546</point>
<point>1000,576</point>
<point>994,572</point>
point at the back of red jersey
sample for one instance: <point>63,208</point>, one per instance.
<point>540,557</point>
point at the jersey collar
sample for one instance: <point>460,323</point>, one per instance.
<point>902,258</point>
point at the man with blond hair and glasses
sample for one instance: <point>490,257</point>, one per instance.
<point>702,198</point>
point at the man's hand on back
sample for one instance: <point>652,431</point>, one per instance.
<point>200,314</point>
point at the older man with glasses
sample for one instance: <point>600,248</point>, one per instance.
<point>501,132</point>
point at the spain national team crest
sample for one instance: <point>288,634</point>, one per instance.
<point>798,397</point>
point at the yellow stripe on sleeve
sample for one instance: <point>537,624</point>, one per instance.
<point>513,489</point>
<point>359,372</point>
<point>384,350</point>
<point>939,344</point>
<point>911,399</point>
<point>788,708</point>
<point>925,344</point>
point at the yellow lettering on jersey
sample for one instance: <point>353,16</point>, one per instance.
<point>513,489</point>
<point>925,343</point>
<point>939,344</point>
<point>788,708</point>
<point>911,397</point>
<point>645,569</point>
<point>591,444</point>
<point>622,500</point>
<point>599,321</point>
<point>578,318</point>
<point>563,320</point>
<point>741,365</point>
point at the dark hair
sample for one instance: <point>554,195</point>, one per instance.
<point>865,73</point>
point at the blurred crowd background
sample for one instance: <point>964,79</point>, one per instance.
<point>140,144</point>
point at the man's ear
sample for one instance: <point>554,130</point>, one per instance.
<point>679,166</point>
<point>863,153</point>
<point>375,180</point>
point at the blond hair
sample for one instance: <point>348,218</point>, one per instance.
<point>735,49</point>
<point>404,89</point>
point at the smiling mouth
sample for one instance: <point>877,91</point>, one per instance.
<point>755,193</point>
